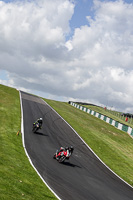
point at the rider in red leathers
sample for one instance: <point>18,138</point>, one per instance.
<point>64,151</point>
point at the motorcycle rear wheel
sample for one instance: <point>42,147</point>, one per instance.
<point>54,156</point>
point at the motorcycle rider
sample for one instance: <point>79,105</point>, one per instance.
<point>64,151</point>
<point>38,121</point>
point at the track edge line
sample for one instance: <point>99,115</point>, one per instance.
<point>22,131</point>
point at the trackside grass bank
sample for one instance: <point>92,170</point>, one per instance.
<point>112,114</point>
<point>114,147</point>
<point>18,180</point>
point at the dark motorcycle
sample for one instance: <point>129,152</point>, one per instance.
<point>63,154</point>
<point>36,127</point>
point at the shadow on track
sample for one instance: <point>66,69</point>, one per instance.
<point>39,133</point>
<point>70,164</point>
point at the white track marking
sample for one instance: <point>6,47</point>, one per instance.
<point>22,131</point>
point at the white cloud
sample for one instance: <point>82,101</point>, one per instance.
<point>95,65</point>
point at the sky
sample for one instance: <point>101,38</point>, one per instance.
<point>69,50</point>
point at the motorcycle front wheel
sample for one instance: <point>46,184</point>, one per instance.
<point>62,159</point>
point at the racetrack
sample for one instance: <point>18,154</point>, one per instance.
<point>83,177</point>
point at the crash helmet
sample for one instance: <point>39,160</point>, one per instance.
<point>40,119</point>
<point>71,148</point>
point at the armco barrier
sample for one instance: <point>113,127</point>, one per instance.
<point>118,125</point>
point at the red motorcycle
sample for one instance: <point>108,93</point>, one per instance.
<point>63,154</point>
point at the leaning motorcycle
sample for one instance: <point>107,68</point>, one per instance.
<point>35,127</point>
<point>61,156</point>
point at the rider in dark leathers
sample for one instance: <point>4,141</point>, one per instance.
<point>38,121</point>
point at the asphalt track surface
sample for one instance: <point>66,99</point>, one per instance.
<point>83,176</point>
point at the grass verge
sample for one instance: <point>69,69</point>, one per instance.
<point>18,180</point>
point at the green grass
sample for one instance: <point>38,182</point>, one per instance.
<point>114,147</point>
<point>18,180</point>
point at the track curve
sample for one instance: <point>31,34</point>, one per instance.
<point>83,177</point>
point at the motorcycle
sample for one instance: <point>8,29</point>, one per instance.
<point>63,154</point>
<point>35,127</point>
